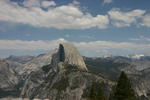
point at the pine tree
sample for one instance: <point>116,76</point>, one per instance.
<point>96,92</point>
<point>92,95</point>
<point>123,90</point>
<point>100,95</point>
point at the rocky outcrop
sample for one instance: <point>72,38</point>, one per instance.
<point>20,59</point>
<point>62,74</point>
<point>66,53</point>
<point>69,55</point>
<point>66,78</point>
<point>141,82</point>
<point>8,77</point>
<point>67,84</point>
<point>112,66</point>
<point>37,63</point>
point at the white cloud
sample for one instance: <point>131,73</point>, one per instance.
<point>122,19</point>
<point>98,45</point>
<point>47,4</point>
<point>107,1</point>
<point>75,3</point>
<point>93,48</point>
<point>70,16</point>
<point>146,20</point>
<point>29,45</point>
<point>62,17</point>
<point>31,3</point>
<point>38,3</point>
<point>141,38</point>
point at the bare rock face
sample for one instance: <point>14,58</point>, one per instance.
<point>8,77</point>
<point>66,78</point>
<point>67,84</point>
<point>68,54</point>
<point>20,59</point>
<point>37,62</point>
<point>71,55</point>
<point>141,82</point>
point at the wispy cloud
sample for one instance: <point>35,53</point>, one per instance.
<point>29,45</point>
<point>146,20</point>
<point>122,19</point>
<point>38,3</point>
<point>107,1</point>
<point>141,38</point>
<point>93,48</point>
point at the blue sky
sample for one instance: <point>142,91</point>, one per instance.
<point>96,27</point>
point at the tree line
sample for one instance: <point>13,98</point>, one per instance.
<point>121,91</point>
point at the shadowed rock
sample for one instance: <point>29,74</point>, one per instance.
<point>70,55</point>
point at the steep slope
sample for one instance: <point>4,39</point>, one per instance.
<point>20,59</point>
<point>106,67</point>
<point>36,63</point>
<point>71,55</point>
<point>68,54</point>
<point>142,64</point>
<point>8,79</point>
<point>66,78</point>
<point>141,82</point>
<point>112,66</point>
<point>8,76</point>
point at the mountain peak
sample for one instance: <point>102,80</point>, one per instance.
<point>69,54</point>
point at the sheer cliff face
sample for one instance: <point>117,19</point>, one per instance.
<point>70,55</point>
<point>67,54</point>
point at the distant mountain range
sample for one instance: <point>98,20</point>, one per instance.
<point>63,74</point>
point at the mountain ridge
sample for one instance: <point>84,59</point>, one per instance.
<point>47,70</point>
<point>64,79</point>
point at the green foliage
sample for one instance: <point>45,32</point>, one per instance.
<point>92,93</point>
<point>46,68</point>
<point>12,92</point>
<point>96,92</point>
<point>61,84</point>
<point>148,93</point>
<point>123,90</point>
<point>105,66</point>
<point>70,68</point>
<point>143,98</point>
